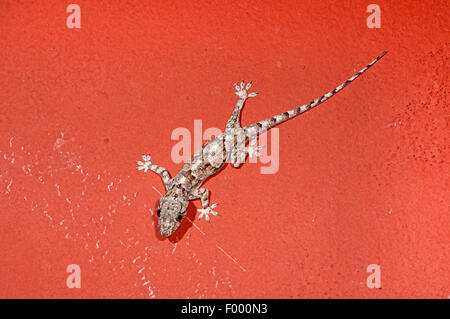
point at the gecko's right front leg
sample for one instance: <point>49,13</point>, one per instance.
<point>203,194</point>
<point>161,171</point>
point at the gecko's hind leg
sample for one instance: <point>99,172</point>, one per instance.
<point>236,138</point>
<point>203,194</point>
<point>253,150</point>
<point>242,92</point>
<point>239,150</point>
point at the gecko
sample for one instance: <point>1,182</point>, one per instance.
<point>230,146</point>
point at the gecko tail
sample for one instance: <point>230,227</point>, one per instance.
<point>270,122</point>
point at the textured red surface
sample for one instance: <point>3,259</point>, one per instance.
<point>362,180</point>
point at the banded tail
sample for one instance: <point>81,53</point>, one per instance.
<point>270,122</point>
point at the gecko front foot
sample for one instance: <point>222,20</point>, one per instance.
<point>206,211</point>
<point>146,164</point>
<point>242,91</point>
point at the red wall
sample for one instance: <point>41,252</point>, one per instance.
<point>362,179</point>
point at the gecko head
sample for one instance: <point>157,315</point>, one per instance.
<point>171,212</point>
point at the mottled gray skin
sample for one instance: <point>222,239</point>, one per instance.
<point>210,158</point>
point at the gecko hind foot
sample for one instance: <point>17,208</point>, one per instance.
<point>242,90</point>
<point>206,211</point>
<point>253,150</point>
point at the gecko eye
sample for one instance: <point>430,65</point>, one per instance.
<point>179,218</point>
<point>158,212</point>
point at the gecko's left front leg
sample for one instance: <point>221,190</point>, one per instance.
<point>203,195</point>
